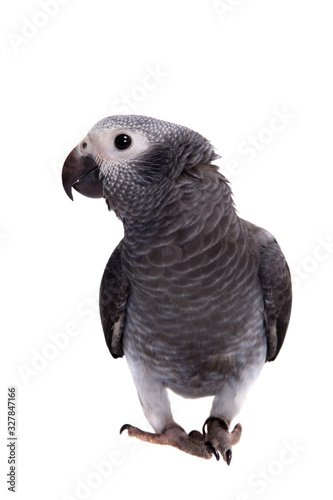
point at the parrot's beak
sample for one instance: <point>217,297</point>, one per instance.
<point>82,173</point>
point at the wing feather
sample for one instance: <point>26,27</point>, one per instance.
<point>275,280</point>
<point>112,302</point>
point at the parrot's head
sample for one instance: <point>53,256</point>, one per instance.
<point>123,154</point>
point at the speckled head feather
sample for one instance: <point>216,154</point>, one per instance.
<point>173,147</point>
<point>161,154</point>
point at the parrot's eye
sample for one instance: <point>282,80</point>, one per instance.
<point>122,141</point>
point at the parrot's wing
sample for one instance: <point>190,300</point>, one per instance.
<point>275,280</point>
<point>112,302</point>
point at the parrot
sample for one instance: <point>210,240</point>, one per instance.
<point>194,297</point>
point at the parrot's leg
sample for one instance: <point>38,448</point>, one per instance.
<point>155,403</point>
<point>226,405</point>
<point>217,435</point>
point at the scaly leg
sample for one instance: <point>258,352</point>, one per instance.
<point>174,436</point>
<point>226,405</point>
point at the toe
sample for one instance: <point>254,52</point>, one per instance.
<point>236,434</point>
<point>196,435</point>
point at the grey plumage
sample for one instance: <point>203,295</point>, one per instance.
<point>194,296</point>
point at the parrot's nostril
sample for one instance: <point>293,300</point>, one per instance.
<point>84,145</point>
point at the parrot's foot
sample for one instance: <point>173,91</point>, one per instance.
<point>217,435</point>
<point>173,435</point>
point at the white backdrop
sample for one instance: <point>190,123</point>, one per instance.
<point>254,76</point>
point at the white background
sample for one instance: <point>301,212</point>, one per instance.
<point>224,72</point>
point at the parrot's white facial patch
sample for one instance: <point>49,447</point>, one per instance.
<point>114,146</point>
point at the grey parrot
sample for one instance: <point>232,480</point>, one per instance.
<point>196,298</point>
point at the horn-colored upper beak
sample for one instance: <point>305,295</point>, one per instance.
<point>82,173</point>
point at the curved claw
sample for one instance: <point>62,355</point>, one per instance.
<point>124,428</point>
<point>213,450</point>
<point>228,456</point>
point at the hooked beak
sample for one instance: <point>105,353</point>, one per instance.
<point>82,173</point>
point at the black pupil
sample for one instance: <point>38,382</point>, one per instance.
<point>123,141</point>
